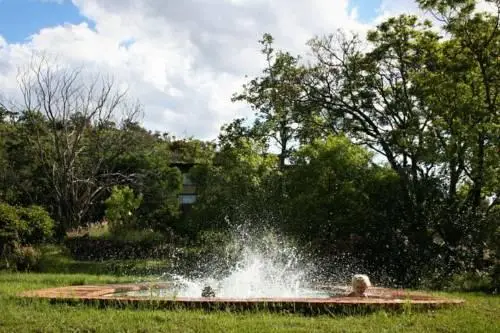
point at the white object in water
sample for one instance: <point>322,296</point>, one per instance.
<point>360,282</point>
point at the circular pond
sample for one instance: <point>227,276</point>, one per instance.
<point>320,300</point>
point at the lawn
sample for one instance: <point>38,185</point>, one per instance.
<point>481,313</point>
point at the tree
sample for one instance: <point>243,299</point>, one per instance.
<point>325,189</point>
<point>471,65</point>
<point>276,99</point>
<point>20,182</point>
<point>236,186</point>
<point>373,98</point>
<point>418,102</point>
<point>77,145</point>
<point>160,185</point>
<point>343,206</point>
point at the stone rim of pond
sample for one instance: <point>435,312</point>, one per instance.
<point>375,298</point>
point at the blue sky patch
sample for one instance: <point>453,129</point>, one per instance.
<point>19,19</point>
<point>367,9</point>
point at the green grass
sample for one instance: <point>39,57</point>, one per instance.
<point>479,314</point>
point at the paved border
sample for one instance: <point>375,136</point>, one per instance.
<point>378,298</point>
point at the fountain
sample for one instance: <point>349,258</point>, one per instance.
<point>266,273</point>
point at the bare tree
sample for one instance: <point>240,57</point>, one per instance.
<point>80,139</point>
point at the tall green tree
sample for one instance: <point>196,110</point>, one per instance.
<point>276,98</point>
<point>420,102</point>
<point>377,104</point>
<point>470,69</point>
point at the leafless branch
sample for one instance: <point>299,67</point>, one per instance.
<point>71,148</point>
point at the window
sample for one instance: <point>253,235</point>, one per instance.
<point>187,199</point>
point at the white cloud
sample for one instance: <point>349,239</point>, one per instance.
<point>183,59</point>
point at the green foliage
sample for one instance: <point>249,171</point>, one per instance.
<point>213,244</point>
<point>276,99</point>
<point>99,230</point>
<point>120,208</point>
<point>190,150</point>
<point>342,204</point>
<point>57,259</point>
<point>159,209</point>
<point>429,106</point>
<point>139,236</point>
<point>11,226</point>
<point>124,245</point>
<point>472,281</point>
<point>25,225</point>
<point>25,258</point>
<point>477,280</point>
<point>325,189</point>
<point>21,182</point>
<point>234,187</point>
<point>21,227</point>
<point>39,225</point>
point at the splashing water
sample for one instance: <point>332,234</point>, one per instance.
<point>266,267</point>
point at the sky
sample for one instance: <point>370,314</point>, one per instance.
<point>181,59</point>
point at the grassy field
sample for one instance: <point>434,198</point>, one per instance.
<point>480,314</point>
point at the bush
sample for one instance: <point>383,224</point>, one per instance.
<point>39,225</point>
<point>21,227</point>
<point>210,250</point>
<point>25,258</point>
<point>120,208</point>
<point>213,243</point>
<point>10,224</point>
<point>472,281</point>
<point>24,225</point>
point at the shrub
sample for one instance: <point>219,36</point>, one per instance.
<point>39,225</point>
<point>21,227</point>
<point>10,229</point>
<point>25,258</point>
<point>210,249</point>
<point>472,281</point>
<point>212,242</point>
<point>120,208</point>
<point>10,224</point>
